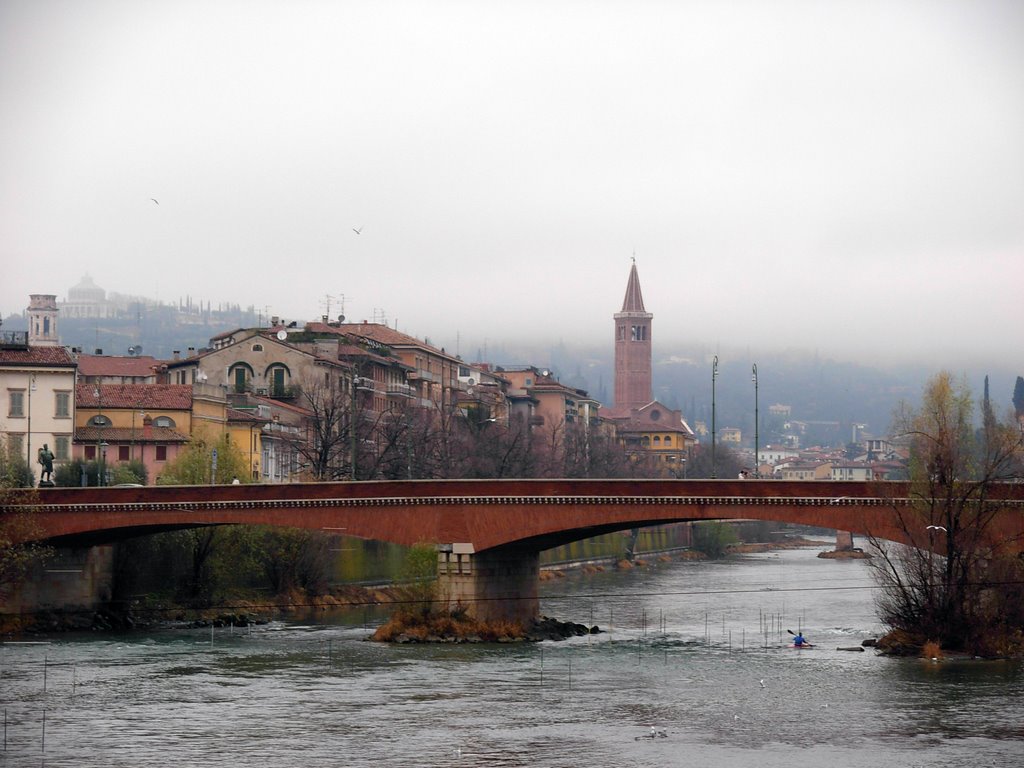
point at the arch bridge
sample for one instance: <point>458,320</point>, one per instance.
<point>489,533</point>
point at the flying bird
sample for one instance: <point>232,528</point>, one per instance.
<point>155,200</point>
<point>936,528</point>
<point>357,231</point>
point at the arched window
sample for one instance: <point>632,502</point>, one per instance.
<point>277,377</point>
<point>240,375</point>
<point>99,420</point>
<point>163,421</point>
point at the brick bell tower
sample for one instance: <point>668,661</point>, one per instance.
<point>632,348</point>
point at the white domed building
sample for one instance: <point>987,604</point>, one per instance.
<point>87,300</point>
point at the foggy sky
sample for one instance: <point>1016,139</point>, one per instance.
<point>846,177</point>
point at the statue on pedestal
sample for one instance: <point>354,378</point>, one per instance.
<point>45,459</point>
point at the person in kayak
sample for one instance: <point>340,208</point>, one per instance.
<point>799,641</point>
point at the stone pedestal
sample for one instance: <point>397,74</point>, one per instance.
<point>844,541</point>
<point>494,585</point>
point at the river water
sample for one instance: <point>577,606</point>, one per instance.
<point>697,649</point>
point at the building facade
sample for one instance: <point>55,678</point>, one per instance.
<point>37,387</point>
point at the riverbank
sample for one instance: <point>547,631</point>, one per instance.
<point>242,610</point>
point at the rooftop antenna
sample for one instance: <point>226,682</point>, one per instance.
<point>328,299</point>
<point>380,316</point>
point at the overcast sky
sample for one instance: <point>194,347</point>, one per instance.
<point>841,176</point>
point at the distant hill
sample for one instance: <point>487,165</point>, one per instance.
<point>828,395</point>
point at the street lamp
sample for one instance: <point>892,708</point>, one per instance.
<point>98,421</point>
<point>28,451</point>
<point>714,376</point>
<point>757,461</point>
<point>103,463</point>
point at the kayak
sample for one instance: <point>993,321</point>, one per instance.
<point>804,647</point>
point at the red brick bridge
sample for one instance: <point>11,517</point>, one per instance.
<point>489,533</point>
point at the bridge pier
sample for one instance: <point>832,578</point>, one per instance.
<point>494,585</point>
<point>844,541</point>
<point>73,579</point>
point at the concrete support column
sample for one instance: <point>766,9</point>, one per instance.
<point>494,585</point>
<point>844,541</point>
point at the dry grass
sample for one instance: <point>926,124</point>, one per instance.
<point>446,626</point>
<point>931,650</point>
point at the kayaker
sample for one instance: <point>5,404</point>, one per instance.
<point>799,641</point>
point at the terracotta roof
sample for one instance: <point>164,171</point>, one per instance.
<point>226,334</point>
<point>283,405</point>
<point>653,426</point>
<point>37,356</point>
<point>387,336</point>
<point>171,397</point>
<point>239,414</point>
<point>129,435</point>
<point>117,365</point>
<point>324,328</point>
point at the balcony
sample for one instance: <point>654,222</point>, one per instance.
<point>400,390</point>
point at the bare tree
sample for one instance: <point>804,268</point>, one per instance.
<point>945,584</point>
<point>325,447</point>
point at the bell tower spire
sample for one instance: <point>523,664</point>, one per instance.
<point>633,347</point>
<point>42,320</point>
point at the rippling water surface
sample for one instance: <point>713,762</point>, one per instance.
<point>697,649</point>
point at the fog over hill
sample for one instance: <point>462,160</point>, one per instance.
<point>816,387</point>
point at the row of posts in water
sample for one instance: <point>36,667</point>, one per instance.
<point>770,625</point>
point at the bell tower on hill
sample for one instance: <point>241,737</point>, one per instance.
<point>632,348</point>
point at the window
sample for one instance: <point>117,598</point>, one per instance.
<point>240,375</point>
<point>99,420</point>
<point>61,447</point>
<point>163,421</point>
<point>90,453</point>
<point>16,403</point>
<point>124,453</point>
<point>277,381</point>
<point>257,347</point>
<point>161,453</point>
<point>62,408</point>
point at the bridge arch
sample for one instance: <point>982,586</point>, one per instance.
<point>489,532</point>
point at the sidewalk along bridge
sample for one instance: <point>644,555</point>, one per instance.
<point>489,533</point>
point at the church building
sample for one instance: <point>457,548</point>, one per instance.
<point>648,428</point>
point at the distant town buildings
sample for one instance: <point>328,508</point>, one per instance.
<point>271,390</point>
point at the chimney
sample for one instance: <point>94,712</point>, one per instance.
<point>191,351</point>
<point>99,352</point>
<point>274,320</point>
<point>177,354</point>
